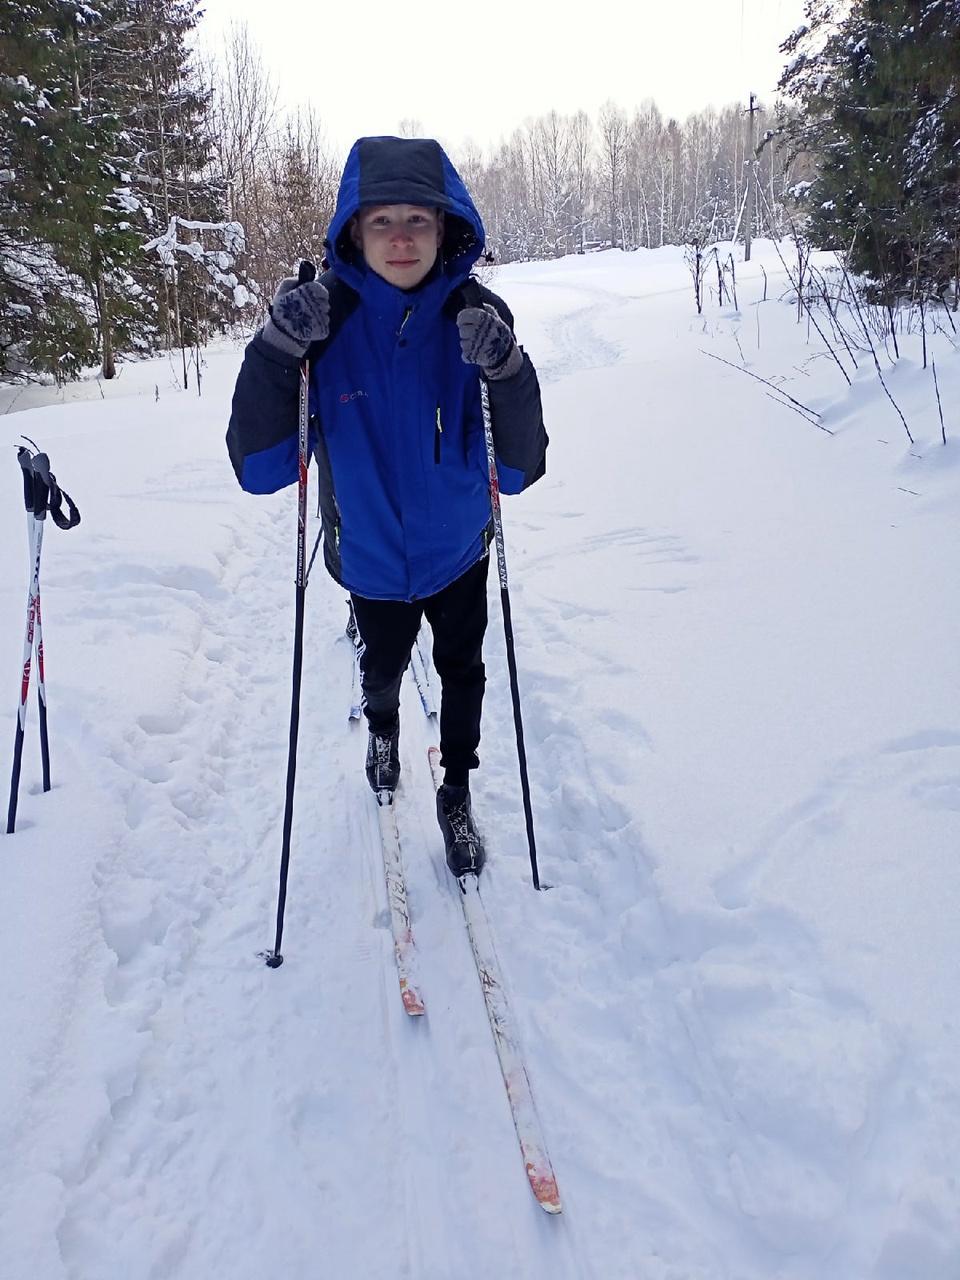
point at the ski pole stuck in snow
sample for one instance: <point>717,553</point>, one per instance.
<point>41,494</point>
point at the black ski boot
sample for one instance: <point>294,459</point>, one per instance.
<point>464,848</point>
<point>383,763</point>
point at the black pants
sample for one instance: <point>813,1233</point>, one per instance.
<point>458,620</point>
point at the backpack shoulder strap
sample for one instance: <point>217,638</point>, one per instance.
<point>343,302</point>
<point>468,294</point>
<point>474,294</point>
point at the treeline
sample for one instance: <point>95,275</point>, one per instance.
<point>861,154</point>
<point>563,183</point>
<point>148,201</point>
<point>559,184</point>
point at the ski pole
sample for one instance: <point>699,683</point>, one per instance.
<point>41,494</point>
<point>274,958</point>
<point>508,626</point>
<point>43,484</point>
<point>35,538</point>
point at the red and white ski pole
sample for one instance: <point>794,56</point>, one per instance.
<point>41,495</point>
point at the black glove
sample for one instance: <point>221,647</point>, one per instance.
<point>485,340</point>
<point>299,315</point>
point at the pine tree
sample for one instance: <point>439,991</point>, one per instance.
<point>878,84</point>
<point>49,158</point>
<point>103,141</point>
<point>161,165</point>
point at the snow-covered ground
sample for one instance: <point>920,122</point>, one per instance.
<point>738,640</point>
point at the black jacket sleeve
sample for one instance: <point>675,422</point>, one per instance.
<point>262,436</point>
<point>516,413</point>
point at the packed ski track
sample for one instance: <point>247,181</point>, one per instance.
<point>735,995</point>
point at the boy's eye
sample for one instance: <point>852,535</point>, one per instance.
<point>383,221</point>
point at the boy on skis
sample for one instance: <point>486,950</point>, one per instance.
<point>398,336</point>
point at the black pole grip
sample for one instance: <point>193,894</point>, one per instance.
<point>36,481</point>
<point>25,458</point>
<point>42,485</point>
<point>42,494</point>
<point>306,272</point>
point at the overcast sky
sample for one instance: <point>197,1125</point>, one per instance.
<point>479,71</point>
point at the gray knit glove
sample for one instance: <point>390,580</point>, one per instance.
<point>299,315</point>
<point>485,340</point>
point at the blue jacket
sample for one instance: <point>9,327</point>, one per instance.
<point>395,412</point>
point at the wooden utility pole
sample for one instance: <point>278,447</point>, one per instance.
<point>751,166</point>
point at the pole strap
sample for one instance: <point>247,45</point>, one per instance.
<point>42,494</point>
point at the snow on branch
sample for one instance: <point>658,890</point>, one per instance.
<point>217,262</point>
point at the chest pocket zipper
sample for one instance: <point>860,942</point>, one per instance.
<point>436,438</point>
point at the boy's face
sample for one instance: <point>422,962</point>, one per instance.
<point>398,241</point>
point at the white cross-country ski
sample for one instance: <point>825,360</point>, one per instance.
<point>356,692</point>
<point>356,695</point>
<point>419,663</point>
<point>403,944</point>
<point>525,1118</point>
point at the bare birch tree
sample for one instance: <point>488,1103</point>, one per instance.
<point>613,163</point>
